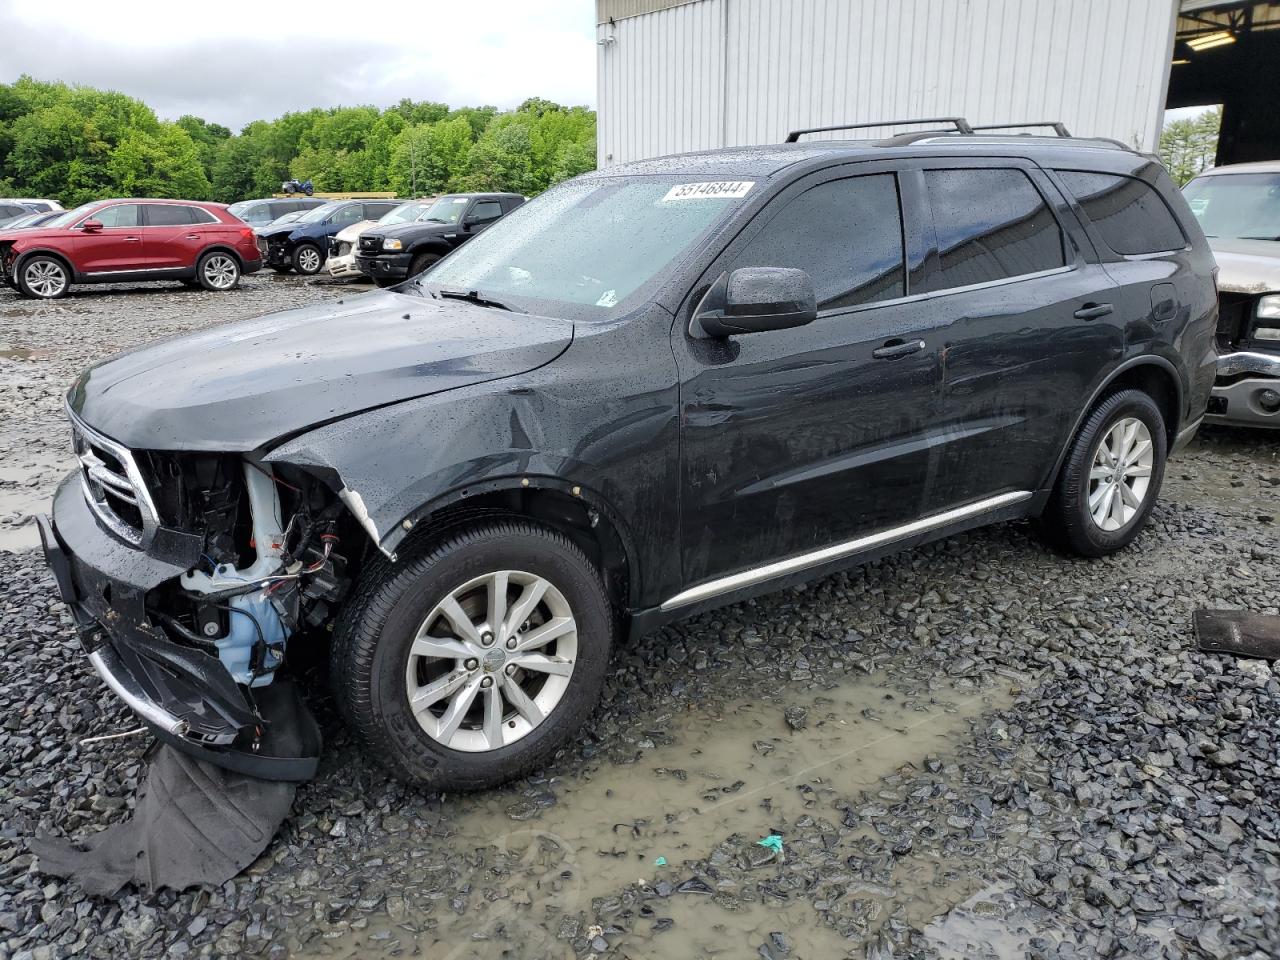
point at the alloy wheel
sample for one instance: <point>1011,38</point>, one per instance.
<point>1121,474</point>
<point>491,661</point>
<point>220,271</point>
<point>45,278</point>
<point>309,260</point>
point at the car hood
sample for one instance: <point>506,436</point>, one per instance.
<point>417,228</point>
<point>281,229</point>
<point>34,233</point>
<point>1247,266</point>
<point>244,386</point>
<point>352,233</point>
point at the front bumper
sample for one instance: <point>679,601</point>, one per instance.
<point>344,266</point>
<point>183,694</point>
<point>392,266</point>
<point>278,255</point>
<point>1244,380</point>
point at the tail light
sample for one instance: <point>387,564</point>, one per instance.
<point>247,235</point>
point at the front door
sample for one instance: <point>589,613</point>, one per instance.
<point>117,247</point>
<point>798,439</point>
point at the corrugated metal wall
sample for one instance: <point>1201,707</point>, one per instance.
<point>730,72</point>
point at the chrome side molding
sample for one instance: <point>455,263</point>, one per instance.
<point>770,571</point>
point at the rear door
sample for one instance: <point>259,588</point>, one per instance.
<point>1023,333</point>
<point>173,237</point>
<point>793,440</point>
<point>117,247</point>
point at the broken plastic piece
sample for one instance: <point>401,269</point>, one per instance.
<point>660,862</point>
<point>1238,632</point>
<point>773,842</point>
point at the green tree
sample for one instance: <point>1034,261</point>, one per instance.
<point>163,164</point>
<point>1189,146</point>
<point>501,160</point>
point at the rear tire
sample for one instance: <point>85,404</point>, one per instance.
<point>307,259</point>
<point>43,277</point>
<point>501,630</point>
<point>1111,478</point>
<point>218,271</point>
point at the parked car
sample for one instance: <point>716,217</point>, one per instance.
<point>1238,207</point>
<point>304,244</point>
<point>40,204</point>
<point>342,257</point>
<point>12,210</point>
<point>259,213</point>
<point>651,391</point>
<point>287,218</point>
<point>393,254</point>
<point>29,220</point>
<point>113,241</point>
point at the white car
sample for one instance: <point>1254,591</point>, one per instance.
<point>37,204</point>
<point>342,245</point>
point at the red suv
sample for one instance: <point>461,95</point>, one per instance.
<point>113,241</point>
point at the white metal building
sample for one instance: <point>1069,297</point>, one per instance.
<point>677,75</point>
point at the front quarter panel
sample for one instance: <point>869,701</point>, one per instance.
<point>602,417</point>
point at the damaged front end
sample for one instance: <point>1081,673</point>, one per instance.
<point>189,586</point>
<point>1247,388</point>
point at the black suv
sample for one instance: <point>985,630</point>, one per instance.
<point>390,254</point>
<point>653,390</point>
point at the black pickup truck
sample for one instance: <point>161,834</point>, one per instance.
<point>391,254</point>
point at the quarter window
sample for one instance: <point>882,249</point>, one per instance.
<point>990,225</point>
<point>846,234</point>
<point>1129,214</point>
<point>120,215</point>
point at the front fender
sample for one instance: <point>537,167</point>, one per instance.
<point>564,426</point>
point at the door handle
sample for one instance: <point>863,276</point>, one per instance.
<point>132,239</point>
<point>1092,311</point>
<point>894,349</point>
<point>192,236</point>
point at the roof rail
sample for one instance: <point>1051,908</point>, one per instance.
<point>1058,127</point>
<point>960,123</point>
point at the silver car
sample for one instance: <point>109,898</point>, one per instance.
<point>1238,208</point>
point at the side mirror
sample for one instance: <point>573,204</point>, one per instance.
<point>756,299</point>
<point>91,226</point>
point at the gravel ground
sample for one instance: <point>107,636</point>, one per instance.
<point>975,749</point>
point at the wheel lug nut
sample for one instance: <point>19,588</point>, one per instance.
<point>511,669</point>
<point>486,638</point>
<point>511,644</point>
<point>487,682</point>
<point>472,663</point>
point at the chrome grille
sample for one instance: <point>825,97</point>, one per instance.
<point>113,486</point>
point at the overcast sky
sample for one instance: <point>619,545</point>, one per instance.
<point>232,61</point>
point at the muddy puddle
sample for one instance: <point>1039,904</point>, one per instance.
<point>13,351</point>
<point>622,839</point>
<point>27,482</point>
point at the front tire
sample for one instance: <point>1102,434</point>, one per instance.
<point>421,262</point>
<point>44,278</point>
<point>1111,478</point>
<point>473,662</point>
<point>307,259</point>
<point>218,271</point>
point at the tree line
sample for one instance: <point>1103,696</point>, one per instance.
<point>1189,146</point>
<point>78,143</point>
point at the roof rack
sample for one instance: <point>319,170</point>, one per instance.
<point>1057,126</point>
<point>960,123</point>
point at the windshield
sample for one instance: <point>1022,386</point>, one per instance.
<point>407,212</point>
<point>71,216</point>
<point>316,214</point>
<point>1240,206</point>
<point>587,243</point>
<point>445,210</point>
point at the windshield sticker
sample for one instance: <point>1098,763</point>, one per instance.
<point>608,299</point>
<point>712,190</point>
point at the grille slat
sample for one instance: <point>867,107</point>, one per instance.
<point>113,487</point>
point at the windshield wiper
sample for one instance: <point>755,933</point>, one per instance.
<point>473,296</point>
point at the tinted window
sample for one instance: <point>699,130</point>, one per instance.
<point>846,234</point>
<point>201,215</point>
<point>167,215</point>
<point>1128,213</point>
<point>991,225</point>
<point>373,211</point>
<point>485,211</point>
<point>349,214</point>
<point>121,215</point>
<point>12,210</point>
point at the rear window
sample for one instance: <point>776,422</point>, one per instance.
<point>990,225</point>
<point>1130,215</point>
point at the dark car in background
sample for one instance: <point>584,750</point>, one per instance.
<point>653,390</point>
<point>127,240</point>
<point>390,254</point>
<point>259,213</point>
<point>304,244</point>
